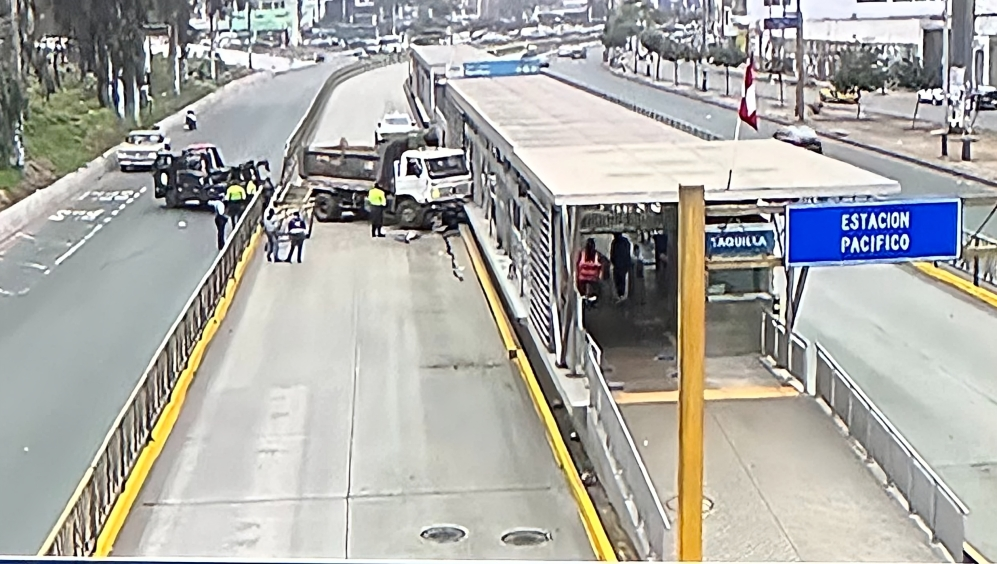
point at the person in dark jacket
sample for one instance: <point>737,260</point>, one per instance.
<point>622,261</point>
<point>298,230</point>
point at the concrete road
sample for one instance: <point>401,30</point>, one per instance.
<point>348,403</point>
<point>89,293</point>
<point>351,401</point>
<point>920,351</point>
<point>355,116</point>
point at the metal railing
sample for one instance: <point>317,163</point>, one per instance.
<point>620,467</point>
<point>978,259</point>
<point>789,354</point>
<point>78,528</point>
<point>927,495</point>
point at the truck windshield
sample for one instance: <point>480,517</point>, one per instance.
<point>141,139</point>
<point>444,167</point>
<point>397,120</point>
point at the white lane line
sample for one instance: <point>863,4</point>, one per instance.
<point>35,266</point>
<point>79,244</point>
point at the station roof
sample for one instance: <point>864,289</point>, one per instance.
<point>584,150</point>
<point>435,56</point>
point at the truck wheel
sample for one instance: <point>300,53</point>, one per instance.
<point>327,208</point>
<point>410,215</point>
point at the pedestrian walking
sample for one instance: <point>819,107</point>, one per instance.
<point>622,260</point>
<point>271,227</point>
<point>220,221</point>
<point>298,230</point>
<point>377,202</point>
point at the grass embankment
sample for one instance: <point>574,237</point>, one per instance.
<point>70,128</point>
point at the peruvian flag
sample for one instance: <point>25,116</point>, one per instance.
<point>748,112</point>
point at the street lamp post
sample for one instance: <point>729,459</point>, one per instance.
<point>801,67</point>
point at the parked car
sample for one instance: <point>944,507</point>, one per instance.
<point>800,136</point>
<point>140,148</point>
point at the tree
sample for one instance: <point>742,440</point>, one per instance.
<point>910,73</point>
<point>672,51</point>
<point>13,91</point>
<point>692,54</point>
<point>652,39</point>
<point>858,71</point>
<point>726,56</point>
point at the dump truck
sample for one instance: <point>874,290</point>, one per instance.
<point>420,178</point>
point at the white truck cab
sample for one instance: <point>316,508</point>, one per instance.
<point>427,179</point>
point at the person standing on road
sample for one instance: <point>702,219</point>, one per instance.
<point>220,221</point>
<point>298,230</point>
<point>378,201</point>
<point>271,227</point>
<point>235,200</point>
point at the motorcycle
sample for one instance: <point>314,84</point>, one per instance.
<point>190,122</point>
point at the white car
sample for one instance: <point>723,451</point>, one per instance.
<point>393,123</point>
<point>936,96</point>
<point>140,148</point>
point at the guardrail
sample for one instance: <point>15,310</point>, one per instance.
<point>620,467</point>
<point>926,494</point>
<point>78,528</point>
<point>979,258</point>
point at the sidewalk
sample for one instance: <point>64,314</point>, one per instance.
<point>883,127</point>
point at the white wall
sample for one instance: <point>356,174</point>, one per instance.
<point>848,9</point>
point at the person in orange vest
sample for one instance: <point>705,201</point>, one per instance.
<point>590,270</point>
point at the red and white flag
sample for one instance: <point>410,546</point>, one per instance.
<point>748,112</point>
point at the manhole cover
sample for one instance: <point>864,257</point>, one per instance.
<point>673,505</point>
<point>526,537</point>
<point>443,533</point>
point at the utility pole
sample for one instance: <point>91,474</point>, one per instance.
<point>692,358</point>
<point>946,62</point>
<point>706,21</point>
<point>801,67</point>
<point>249,28</point>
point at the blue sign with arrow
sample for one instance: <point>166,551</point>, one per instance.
<point>865,233</point>
<point>789,21</point>
<point>502,67</point>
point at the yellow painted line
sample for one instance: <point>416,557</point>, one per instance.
<point>974,554</point>
<point>594,528</point>
<point>167,420</point>
<point>957,282</point>
<point>716,394</point>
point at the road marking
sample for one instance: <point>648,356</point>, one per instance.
<point>35,266</point>
<point>591,522</point>
<point>711,394</point>
<point>78,244</point>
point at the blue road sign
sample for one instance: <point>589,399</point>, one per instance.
<point>740,241</point>
<point>896,231</point>
<point>789,21</point>
<point>502,67</point>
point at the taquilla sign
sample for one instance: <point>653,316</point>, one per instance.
<point>725,241</point>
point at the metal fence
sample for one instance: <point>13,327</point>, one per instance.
<point>926,494</point>
<point>790,353</point>
<point>78,528</point>
<point>978,259</point>
<point>619,466</point>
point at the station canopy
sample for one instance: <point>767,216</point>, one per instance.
<point>583,150</point>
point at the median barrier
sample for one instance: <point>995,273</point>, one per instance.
<point>99,505</point>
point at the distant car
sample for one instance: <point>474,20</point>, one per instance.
<point>565,51</point>
<point>319,57</point>
<point>579,52</point>
<point>800,136</point>
<point>935,96</point>
<point>986,98</point>
<point>393,123</point>
<point>140,148</point>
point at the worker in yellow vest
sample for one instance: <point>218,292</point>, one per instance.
<point>377,201</point>
<point>235,200</point>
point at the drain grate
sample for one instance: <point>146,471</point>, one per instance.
<point>672,505</point>
<point>526,537</point>
<point>444,534</point>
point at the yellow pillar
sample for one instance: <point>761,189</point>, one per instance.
<point>691,356</point>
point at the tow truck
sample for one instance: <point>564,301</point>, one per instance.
<point>421,179</point>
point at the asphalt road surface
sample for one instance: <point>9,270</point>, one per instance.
<point>353,400</point>
<point>921,352</point>
<point>89,293</point>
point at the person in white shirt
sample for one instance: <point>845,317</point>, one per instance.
<point>220,221</point>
